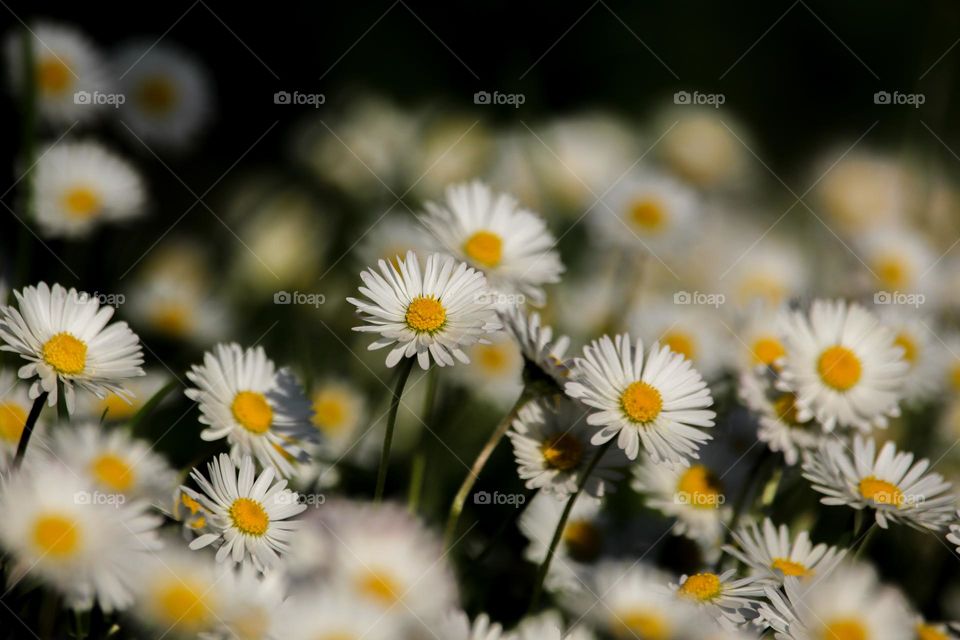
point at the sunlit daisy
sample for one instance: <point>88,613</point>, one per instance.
<point>82,184</point>
<point>433,314</point>
<point>723,596</point>
<point>581,543</point>
<point>457,626</point>
<point>339,409</point>
<point>693,495</point>
<point>249,512</point>
<point>87,546</point>
<point>890,483</point>
<point>923,350</point>
<point>66,63</point>
<point>843,365</point>
<point>659,401</point>
<point>897,260</point>
<point>495,370</point>
<point>692,330</point>
<point>849,602</point>
<point>772,554</point>
<point>776,414</point>
<point>15,405</point>
<point>168,94</point>
<point>260,410</point>
<point>543,355</point>
<point>551,444</point>
<point>491,233</point>
<point>179,593</point>
<point>65,338</point>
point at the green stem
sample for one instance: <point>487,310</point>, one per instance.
<point>558,533</point>
<point>28,429</point>
<point>456,508</point>
<point>415,490</point>
<point>405,369</point>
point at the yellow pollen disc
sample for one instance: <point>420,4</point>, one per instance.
<point>56,536</point>
<point>380,587</point>
<point>117,408</point>
<point>682,343</point>
<point>252,411</point>
<point>909,346</point>
<point>157,95</point>
<point>844,629</point>
<point>881,491</point>
<point>699,487</point>
<point>484,247</point>
<point>425,315</point>
<point>641,402</point>
<point>648,214</point>
<point>249,517</point>
<point>329,412</point>
<point>562,451</point>
<point>113,471</point>
<point>930,632</point>
<point>892,272</point>
<point>786,408</point>
<point>839,368</point>
<point>81,202</point>
<point>13,418</point>
<point>646,625</point>
<point>767,350</point>
<point>582,540</point>
<point>53,76</point>
<point>492,358</point>
<point>701,587</point>
<point>66,354</point>
<point>789,567</point>
<point>190,503</point>
<point>955,376</point>
<point>172,319</point>
<point>181,603</point>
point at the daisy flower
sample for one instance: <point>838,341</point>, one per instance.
<point>86,546</point>
<point>336,615</point>
<point>581,543</point>
<point>249,512</point>
<point>168,93</point>
<point>339,410</point>
<point>457,626</point>
<point>954,535</point>
<point>776,413</point>
<point>551,445</point>
<point>898,489</point>
<point>862,191</point>
<point>934,630</point>
<point>432,315</point>
<point>65,63</point>
<point>116,408</point>
<point>166,307</point>
<point>849,602</point>
<point>494,372</point>
<point>693,495</point>
<point>15,405</point>
<point>251,604</point>
<point>700,146</point>
<point>659,400</point>
<point>924,353</point>
<point>260,410</point>
<point>843,366</point>
<point>772,554</point>
<point>195,519</point>
<point>768,274</point>
<point>693,331</point>
<point>180,593</point>
<point>549,625</point>
<point>81,184</point>
<point>898,260</point>
<point>722,596</point>
<point>492,234</point>
<point>543,355</point>
<point>65,338</point>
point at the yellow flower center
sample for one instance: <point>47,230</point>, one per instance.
<point>700,488</point>
<point>113,471</point>
<point>682,343</point>
<point>250,625</point>
<point>881,491</point>
<point>909,346</point>
<point>767,350</point>
<point>930,632</point>
<point>790,567</point>
<point>785,407</point>
<point>81,202</point>
<point>426,315</point>
<point>56,536</point>
<point>13,418</point>
<point>66,354</point>
<point>641,402</point>
<point>117,408</point>
<point>844,629</point>
<point>249,517</point>
<point>182,604</point>
<point>582,540</point>
<point>329,412</point>
<point>252,411</point>
<point>955,376</point>
<point>892,272</point>
<point>701,587</point>
<point>157,95</point>
<point>172,319</point>
<point>53,76</point>
<point>648,214</point>
<point>492,358</point>
<point>839,368</point>
<point>485,248</point>
<point>380,587</point>
<point>642,624</point>
<point>562,451</point>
